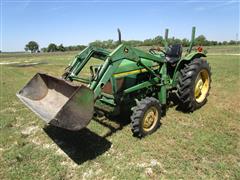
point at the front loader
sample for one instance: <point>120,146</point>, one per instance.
<point>99,81</point>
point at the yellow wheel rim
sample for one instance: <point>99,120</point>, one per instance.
<point>201,86</point>
<point>150,119</point>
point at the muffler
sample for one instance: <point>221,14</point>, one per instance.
<point>58,102</point>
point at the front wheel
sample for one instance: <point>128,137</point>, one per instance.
<point>194,85</point>
<point>146,116</point>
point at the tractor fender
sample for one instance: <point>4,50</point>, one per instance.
<point>181,63</point>
<point>194,55</point>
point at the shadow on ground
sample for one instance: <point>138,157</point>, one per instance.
<point>80,146</point>
<point>174,103</point>
<point>86,145</point>
<point>29,64</point>
<point>121,121</point>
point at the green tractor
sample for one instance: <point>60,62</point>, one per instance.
<point>101,82</point>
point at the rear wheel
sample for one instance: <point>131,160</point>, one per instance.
<point>146,117</point>
<point>194,85</point>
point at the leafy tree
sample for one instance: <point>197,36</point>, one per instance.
<point>96,43</point>
<point>52,47</point>
<point>225,43</point>
<point>201,40</point>
<point>177,41</point>
<point>61,48</point>
<point>214,43</point>
<point>158,40</point>
<point>32,46</point>
<point>147,42</point>
<point>80,47</point>
<point>185,42</point>
<point>133,43</point>
<point>44,49</point>
<point>232,42</point>
<point>108,44</point>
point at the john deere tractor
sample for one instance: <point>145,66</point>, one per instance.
<point>100,81</point>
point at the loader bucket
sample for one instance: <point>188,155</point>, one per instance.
<point>58,102</point>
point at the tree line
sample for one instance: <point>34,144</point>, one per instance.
<point>159,41</point>
<point>54,48</point>
<point>110,44</point>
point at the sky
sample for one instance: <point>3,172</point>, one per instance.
<point>73,22</point>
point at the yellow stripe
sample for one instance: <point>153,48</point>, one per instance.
<point>132,72</point>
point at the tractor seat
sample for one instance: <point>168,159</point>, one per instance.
<point>174,53</point>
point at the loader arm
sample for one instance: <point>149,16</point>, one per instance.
<point>122,52</point>
<point>109,67</point>
<point>82,58</point>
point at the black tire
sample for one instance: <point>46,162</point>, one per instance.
<point>187,82</point>
<point>139,116</point>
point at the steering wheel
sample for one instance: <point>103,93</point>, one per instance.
<point>153,50</point>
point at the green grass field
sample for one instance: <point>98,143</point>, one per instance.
<point>201,145</point>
